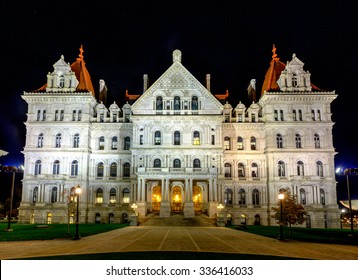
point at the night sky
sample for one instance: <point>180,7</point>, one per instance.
<point>231,40</point>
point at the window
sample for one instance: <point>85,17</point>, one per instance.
<point>281,169</point>
<point>255,197</point>
<point>319,168</point>
<point>157,163</point>
<point>240,143</point>
<point>58,140</point>
<point>126,170</point>
<point>99,195</point>
<point>40,140</point>
<point>313,115</point>
<point>74,168</point>
<point>279,141</point>
<point>101,143</point>
<point>54,195</point>
<point>38,167</point>
<point>112,196</point>
<point>159,103</point>
<point>227,143</point>
<point>254,170</point>
<point>196,138</point>
<point>300,115</point>
<point>239,118</point>
<point>281,115</point>
<point>157,138</point>
<point>212,139</point>
<point>317,142</point>
<point>56,115</point>
<point>294,115</point>
<point>241,170</point>
<point>228,197</point>
<point>322,196</point>
<point>294,80</point>
<point>275,114</point>
<point>35,193</point>
<point>127,143</point>
<point>253,117</point>
<point>113,170</point>
<point>242,197</point>
<point>61,82</point>
<point>253,143</point>
<point>177,163</point>
<point>302,196</point>
<point>76,140</point>
<point>126,196</point>
<point>100,169</point>
<point>56,167</point>
<point>300,168</point>
<point>319,115</point>
<point>196,163</point>
<point>44,115</point>
<point>141,139</point>
<point>298,141</point>
<point>176,103</point>
<point>176,138</point>
<point>194,103</point>
<point>227,170</point>
<point>114,143</point>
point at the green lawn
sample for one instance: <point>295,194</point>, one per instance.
<point>318,235</point>
<point>52,231</point>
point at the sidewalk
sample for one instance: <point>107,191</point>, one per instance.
<point>195,239</point>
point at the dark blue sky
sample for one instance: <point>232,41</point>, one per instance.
<point>231,40</point>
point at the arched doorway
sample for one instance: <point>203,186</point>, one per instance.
<point>177,195</point>
<point>111,218</point>
<point>156,198</point>
<point>198,198</point>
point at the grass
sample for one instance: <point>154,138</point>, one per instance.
<point>318,235</point>
<point>23,232</point>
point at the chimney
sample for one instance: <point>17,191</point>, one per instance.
<point>208,82</point>
<point>145,82</point>
<point>103,91</point>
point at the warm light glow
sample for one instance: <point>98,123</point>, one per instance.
<point>220,206</point>
<point>78,189</point>
<point>176,198</point>
<point>134,206</point>
<point>281,196</point>
<point>242,215</point>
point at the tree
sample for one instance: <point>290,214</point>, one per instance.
<point>293,213</point>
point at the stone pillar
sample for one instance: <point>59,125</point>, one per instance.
<point>189,211</point>
<point>164,205</point>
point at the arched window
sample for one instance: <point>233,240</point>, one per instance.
<point>99,195</point>
<point>58,140</point>
<point>40,140</point>
<point>254,170</point>
<point>281,169</point>
<point>196,138</point>
<point>74,168</point>
<point>101,143</point>
<point>300,168</point>
<point>298,141</point>
<point>127,143</point>
<point>196,163</point>
<point>61,81</point>
<point>76,140</point>
<point>38,165</point>
<point>157,163</point>
<point>112,196</point>
<point>73,196</point>
<point>113,170</point>
<point>177,163</point>
<point>126,196</point>
<point>227,170</point>
<point>242,197</point>
<point>157,138</point>
<point>176,103</point>
<point>322,196</point>
<point>279,141</point>
<point>176,138</point>
<point>240,143</point>
<point>241,170</point>
<point>253,143</point>
<point>100,169</point>
<point>114,143</point>
<point>317,142</point>
<point>319,168</point>
<point>35,193</point>
<point>227,145</point>
<point>228,197</point>
<point>294,80</point>
<point>126,170</point>
<point>194,103</point>
<point>256,197</point>
<point>56,167</point>
<point>159,103</point>
<point>302,196</point>
<point>54,195</point>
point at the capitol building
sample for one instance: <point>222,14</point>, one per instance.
<point>177,148</point>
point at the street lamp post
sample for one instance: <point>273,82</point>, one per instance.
<point>347,172</point>
<point>78,191</point>
<point>281,197</point>
<point>11,199</point>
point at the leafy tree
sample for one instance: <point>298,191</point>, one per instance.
<point>293,213</point>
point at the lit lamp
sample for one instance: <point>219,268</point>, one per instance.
<point>347,172</point>
<point>281,197</point>
<point>244,217</point>
<point>220,207</point>
<point>78,191</point>
<point>134,207</point>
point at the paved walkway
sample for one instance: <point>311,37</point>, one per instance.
<point>195,239</point>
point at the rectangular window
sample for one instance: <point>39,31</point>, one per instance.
<point>44,115</point>
<point>212,139</point>
<point>276,115</point>
<point>313,115</point>
<point>56,115</point>
<point>300,115</point>
<point>281,115</point>
<point>294,115</point>
<point>140,139</point>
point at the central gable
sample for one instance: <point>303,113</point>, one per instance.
<point>177,91</point>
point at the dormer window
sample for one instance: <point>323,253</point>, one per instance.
<point>159,103</point>
<point>176,103</point>
<point>294,80</point>
<point>194,103</point>
<point>61,82</point>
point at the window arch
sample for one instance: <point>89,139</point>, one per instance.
<point>38,165</point>
<point>253,143</point>
<point>99,195</point>
<point>101,143</point>
<point>112,196</point>
<point>113,170</point>
<point>157,163</point>
<point>241,170</point>
<point>240,143</point>
<point>194,103</point>
<point>114,143</point>
<point>227,170</point>
<point>159,103</point>
<point>254,170</point>
<point>227,145</point>
<point>35,193</point>
<point>76,140</point>
<point>54,195</point>
<point>298,140</point>
<point>319,168</point>
<point>242,197</point>
<point>279,141</point>
<point>196,138</point>
<point>228,197</point>
<point>176,103</point>
<point>281,169</point>
<point>127,143</point>
<point>300,168</point>
<point>100,169</point>
<point>302,196</point>
<point>74,168</point>
<point>317,141</point>
<point>176,137</point>
<point>58,140</point>
<point>256,197</point>
<point>40,140</point>
<point>126,170</point>
<point>157,138</point>
<point>56,167</point>
<point>177,163</point>
<point>196,163</point>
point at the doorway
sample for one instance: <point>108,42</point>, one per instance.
<point>177,194</point>
<point>156,198</point>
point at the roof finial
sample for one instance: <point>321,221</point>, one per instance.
<point>274,55</point>
<point>80,56</point>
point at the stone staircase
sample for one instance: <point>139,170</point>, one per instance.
<point>177,220</point>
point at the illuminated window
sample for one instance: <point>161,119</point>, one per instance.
<point>74,168</point>
<point>241,170</point>
<point>126,196</point>
<point>196,138</point>
<point>112,196</point>
<point>240,143</point>
<point>99,195</point>
<point>254,170</point>
<point>227,145</point>
<point>227,170</point>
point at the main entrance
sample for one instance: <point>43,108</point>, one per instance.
<point>177,195</point>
